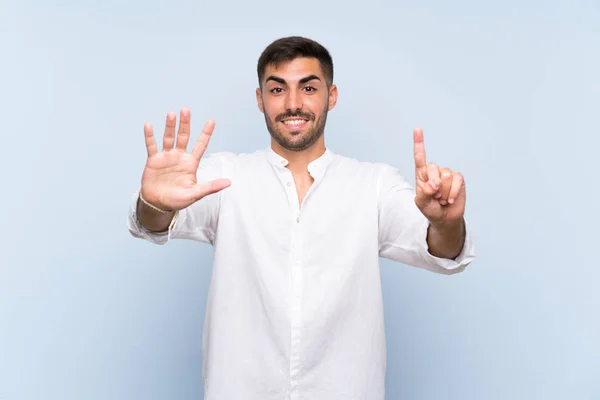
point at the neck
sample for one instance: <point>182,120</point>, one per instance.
<point>299,160</point>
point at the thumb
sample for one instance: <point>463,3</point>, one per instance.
<point>424,194</point>
<point>204,189</point>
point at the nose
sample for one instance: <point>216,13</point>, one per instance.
<point>293,101</point>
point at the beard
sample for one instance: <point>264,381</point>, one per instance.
<point>298,141</point>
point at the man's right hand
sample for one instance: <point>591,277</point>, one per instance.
<point>169,178</point>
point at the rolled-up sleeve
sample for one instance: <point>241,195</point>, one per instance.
<point>198,221</point>
<point>137,230</point>
<point>403,228</point>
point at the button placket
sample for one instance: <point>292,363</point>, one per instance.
<point>296,288</point>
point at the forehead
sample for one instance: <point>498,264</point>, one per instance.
<point>296,69</point>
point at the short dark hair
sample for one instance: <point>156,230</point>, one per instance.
<point>289,48</point>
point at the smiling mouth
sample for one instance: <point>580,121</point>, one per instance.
<point>294,122</point>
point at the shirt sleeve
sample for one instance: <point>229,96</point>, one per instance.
<point>196,222</point>
<point>403,228</point>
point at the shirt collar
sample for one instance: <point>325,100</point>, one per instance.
<point>315,167</point>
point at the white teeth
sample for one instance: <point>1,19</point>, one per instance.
<point>294,122</point>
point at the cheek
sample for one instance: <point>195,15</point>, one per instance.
<point>271,108</point>
<point>318,104</point>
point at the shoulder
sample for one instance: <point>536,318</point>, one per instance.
<point>380,176</point>
<point>231,165</point>
<point>227,158</point>
<point>370,168</point>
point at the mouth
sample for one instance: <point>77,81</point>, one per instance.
<point>294,123</point>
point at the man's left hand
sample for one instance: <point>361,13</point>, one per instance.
<point>441,193</point>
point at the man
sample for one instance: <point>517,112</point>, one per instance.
<point>295,308</point>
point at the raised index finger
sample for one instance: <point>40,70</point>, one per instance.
<point>202,142</point>
<point>420,158</point>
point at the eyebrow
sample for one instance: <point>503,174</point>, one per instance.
<point>301,81</point>
<point>309,78</point>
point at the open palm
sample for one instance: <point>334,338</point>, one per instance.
<point>169,178</point>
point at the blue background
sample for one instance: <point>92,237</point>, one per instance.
<point>507,93</point>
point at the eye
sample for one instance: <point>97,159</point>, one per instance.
<point>276,90</point>
<point>310,89</point>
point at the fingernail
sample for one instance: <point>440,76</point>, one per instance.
<point>438,195</point>
<point>451,201</point>
<point>433,184</point>
<point>443,202</point>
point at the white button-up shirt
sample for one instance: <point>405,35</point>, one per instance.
<point>295,306</point>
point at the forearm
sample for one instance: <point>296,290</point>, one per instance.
<point>151,219</point>
<point>446,241</point>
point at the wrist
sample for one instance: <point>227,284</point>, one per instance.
<point>448,226</point>
<point>152,206</point>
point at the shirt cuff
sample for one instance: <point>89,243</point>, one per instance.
<point>447,265</point>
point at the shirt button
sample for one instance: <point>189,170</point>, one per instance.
<point>283,161</point>
<point>289,183</point>
<point>297,219</point>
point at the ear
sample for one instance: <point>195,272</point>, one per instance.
<point>333,95</point>
<point>259,100</point>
